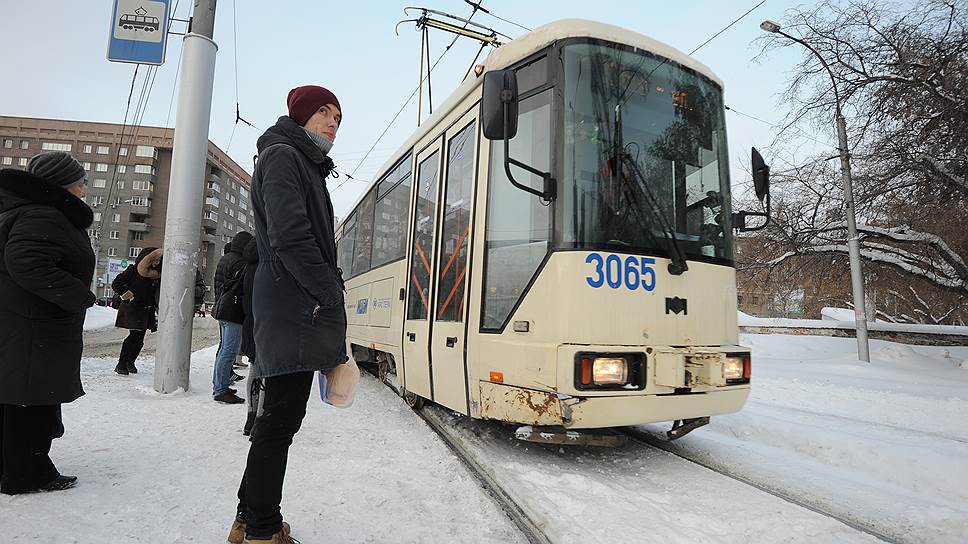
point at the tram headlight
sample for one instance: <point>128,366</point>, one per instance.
<point>736,368</point>
<point>610,371</point>
<point>604,371</point>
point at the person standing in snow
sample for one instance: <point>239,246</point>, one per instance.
<point>253,385</point>
<point>139,287</point>
<point>46,269</point>
<point>229,270</point>
<point>297,299</point>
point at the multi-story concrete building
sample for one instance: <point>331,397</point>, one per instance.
<point>128,179</point>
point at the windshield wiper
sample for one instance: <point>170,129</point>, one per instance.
<point>623,158</point>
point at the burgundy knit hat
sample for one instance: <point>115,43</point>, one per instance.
<point>304,101</point>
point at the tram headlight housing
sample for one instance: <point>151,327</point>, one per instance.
<point>616,371</point>
<point>736,368</point>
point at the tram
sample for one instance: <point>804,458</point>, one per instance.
<point>554,245</point>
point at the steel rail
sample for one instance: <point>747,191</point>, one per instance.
<point>651,441</point>
<point>531,529</point>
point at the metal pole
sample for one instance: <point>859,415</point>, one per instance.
<point>853,244</point>
<point>185,195</point>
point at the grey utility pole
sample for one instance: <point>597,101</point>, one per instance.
<point>185,195</point>
<point>853,243</point>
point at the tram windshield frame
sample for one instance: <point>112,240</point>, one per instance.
<point>672,127</point>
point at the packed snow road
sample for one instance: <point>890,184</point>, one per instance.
<point>880,446</point>
<point>102,339</point>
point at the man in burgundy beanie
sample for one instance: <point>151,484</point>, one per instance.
<point>299,325</point>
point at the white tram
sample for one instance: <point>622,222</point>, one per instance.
<point>594,287</point>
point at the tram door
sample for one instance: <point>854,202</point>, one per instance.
<point>416,327</point>
<point>447,340</point>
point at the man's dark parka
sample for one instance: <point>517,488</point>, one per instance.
<point>46,268</point>
<point>297,299</point>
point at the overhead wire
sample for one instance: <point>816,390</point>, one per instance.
<point>622,97</point>
<point>477,5</point>
<point>476,8</point>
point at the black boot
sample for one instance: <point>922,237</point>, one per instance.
<point>132,369</point>
<point>121,368</point>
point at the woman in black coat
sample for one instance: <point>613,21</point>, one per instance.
<point>139,288</point>
<point>46,268</point>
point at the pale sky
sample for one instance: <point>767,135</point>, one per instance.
<point>53,64</point>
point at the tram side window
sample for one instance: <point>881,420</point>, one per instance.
<point>518,224</point>
<point>392,215</point>
<point>345,246</point>
<point>364,235</point>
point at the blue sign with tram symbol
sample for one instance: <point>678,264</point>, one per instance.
<point>139,30</point>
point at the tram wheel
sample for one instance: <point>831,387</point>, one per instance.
<point>382,370</point>
<point>414,400</point>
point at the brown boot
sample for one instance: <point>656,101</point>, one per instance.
<point>237,532</point>
<point>282,537</point>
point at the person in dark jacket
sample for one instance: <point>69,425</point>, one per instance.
<point>230,267</point>
<point>200,290</point>
<point>297,300</point>
<point>46,268</point>
<point>253,385</point>
<point>139,287</point>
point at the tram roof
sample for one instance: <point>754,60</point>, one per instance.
<point>527,44</point>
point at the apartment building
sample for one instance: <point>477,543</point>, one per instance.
<point>128,180</point>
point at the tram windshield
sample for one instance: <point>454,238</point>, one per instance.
<point>671,160</point>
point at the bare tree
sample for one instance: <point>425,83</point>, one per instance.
<point>902,73</point>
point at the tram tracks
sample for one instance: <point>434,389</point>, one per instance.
<point>530,529</point>
<point>654,442</point>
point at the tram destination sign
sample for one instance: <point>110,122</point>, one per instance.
<point>138,31</point>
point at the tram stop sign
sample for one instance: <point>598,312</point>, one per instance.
<point>139,30</point>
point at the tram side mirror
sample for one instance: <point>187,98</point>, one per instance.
<point>761,185</point>
<point>500,91</point>
<point>761,175</point>
<point>499,119</point>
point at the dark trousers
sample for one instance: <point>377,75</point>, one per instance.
<point>260,492</point>
<point>131,348</point>
<point>25,436</point>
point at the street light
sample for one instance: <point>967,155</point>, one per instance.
<point>853,245</point>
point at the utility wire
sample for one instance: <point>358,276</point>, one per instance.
<point>477,6</point>
<point>774,125</point>
<point>716,35</point>
<point>349,176</point>
<point>622,97</point>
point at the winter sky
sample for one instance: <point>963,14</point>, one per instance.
<point>54,66</point>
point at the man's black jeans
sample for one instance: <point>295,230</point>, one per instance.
<point>260,493</point>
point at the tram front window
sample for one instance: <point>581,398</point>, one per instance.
<point>672,129</point>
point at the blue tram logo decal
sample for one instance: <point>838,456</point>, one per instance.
<point>361,305</point>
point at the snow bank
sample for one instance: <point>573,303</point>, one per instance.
<point>884,443</point>
<point>99,317</point>
<point>746,320</point>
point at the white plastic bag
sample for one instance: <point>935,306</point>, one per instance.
<point>337,387</point>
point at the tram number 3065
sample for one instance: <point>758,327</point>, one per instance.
<point>632,272</point>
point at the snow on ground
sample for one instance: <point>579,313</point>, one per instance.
<point>165,469</point>
<point>99,317</point>
<point>884,443</point>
